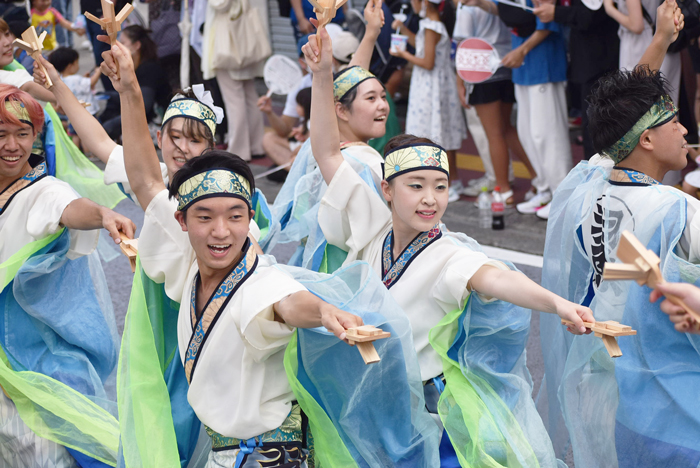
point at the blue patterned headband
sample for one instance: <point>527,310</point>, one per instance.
<point>348,79</point>
<point>213,183</point>
<point>201,109</point>
<point>415,157</point>
<point>661,111</point>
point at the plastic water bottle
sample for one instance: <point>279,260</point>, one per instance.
<point>497,208</point>
<point>484,204</point>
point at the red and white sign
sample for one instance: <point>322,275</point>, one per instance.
<point>476,60</point>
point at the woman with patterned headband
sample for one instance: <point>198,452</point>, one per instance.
<point>647,407</point>
<point>470,341</point>
<point>58,338</point>
<point>361,111</point>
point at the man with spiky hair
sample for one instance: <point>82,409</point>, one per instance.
<point>637,410</point>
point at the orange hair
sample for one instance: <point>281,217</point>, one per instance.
<point>19,98</point>
<point>4,27</point>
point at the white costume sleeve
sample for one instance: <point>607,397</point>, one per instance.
<point>45,215</point>
<point>16,78</point>
<point>115,172</point>
<point>451,287</point>
<point>351,214</point>
<point>165,249</point>
<point>263,335</point>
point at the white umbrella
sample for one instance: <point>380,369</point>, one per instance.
<point>185,27</point>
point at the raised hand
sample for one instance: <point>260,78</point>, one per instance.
<point>118,66</point>
<point>319,59</point>
<point>374,15</point>
<point>40,77</point>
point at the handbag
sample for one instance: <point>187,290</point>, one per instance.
<point>240,38</point>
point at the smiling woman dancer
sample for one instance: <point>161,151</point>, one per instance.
<point>361,111</point>
<point>473,343</point>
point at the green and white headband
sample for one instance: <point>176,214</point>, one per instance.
<point>661,112</point>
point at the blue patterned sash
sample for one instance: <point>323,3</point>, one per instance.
<point>204,323</point>
<point>6,196</point>
<point>392,271</point>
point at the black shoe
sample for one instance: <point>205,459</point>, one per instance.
<point>279,176</point>
<point>257,156</point>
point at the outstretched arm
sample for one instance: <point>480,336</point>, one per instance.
<point>669,23</point>
<point>140,157</point>
<point>38,92</point>
<point>374,16</point>
<point>92,135</point>
<point>85,215</point>
<point>304,310</point>
<point>518,289</point>
<point>325,138</point>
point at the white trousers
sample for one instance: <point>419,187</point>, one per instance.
<point>482,143</point>
<point>245,121</point>
<point>543,129</point>
<point>22,448</point>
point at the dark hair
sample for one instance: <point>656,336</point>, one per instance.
<point>619,100</point>
<point>62,58</point>
<point>210,160</point>
<point>304,100</point>
<point>191,128</point>
<point>403,140</point>
<point>148,50</point>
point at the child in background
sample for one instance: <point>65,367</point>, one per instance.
<point>298,135</point>
<point>45,18</point>
<point>67,63</point>
<point>433,111</point>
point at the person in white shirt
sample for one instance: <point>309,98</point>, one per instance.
<point>237,311</point>
<point>429,271</point>
<point>59,337</point>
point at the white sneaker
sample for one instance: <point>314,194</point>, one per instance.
<point>535,203</point>
<point>474,186</point>
<point>530,193</point>
<point>543,213</point>
<point>455,191</point>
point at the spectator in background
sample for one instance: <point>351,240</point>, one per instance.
<point>149,74</point>
<point>636,18</point>
<point>93,30</point>
<point>64,7</point>
<point>45,18</point>
<point>492,99</point>
<point>432,110</point>
<point>245,122</point>
<point>163,16</point>
<point>67,63</point>
<point>276,144</point>
<point>302,10</point>
<point>593,50</point>
<point>538,60</point>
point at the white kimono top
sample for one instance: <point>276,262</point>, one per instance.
<point>34,211</point>
<point>239,387</point>
<point>355,219</point>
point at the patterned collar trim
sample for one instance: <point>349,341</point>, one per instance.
<point>392,271</point>
<point>621,175</point>
<point>7,195</point>
<point>203,324</point>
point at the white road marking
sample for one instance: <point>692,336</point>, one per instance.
<point>513,256</point>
